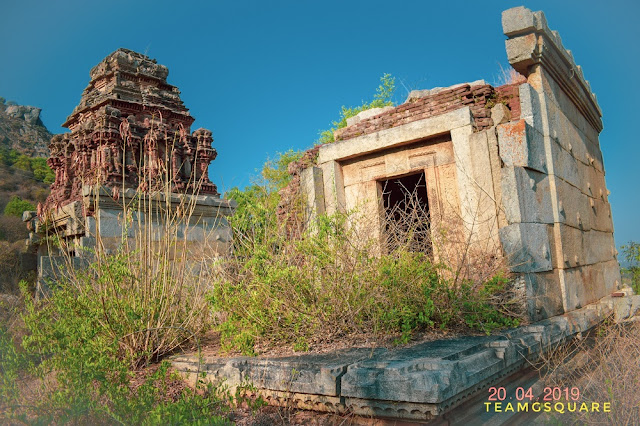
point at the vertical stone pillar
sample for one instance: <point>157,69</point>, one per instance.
<point>559,223</point>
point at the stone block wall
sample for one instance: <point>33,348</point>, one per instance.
<point>421,104</point>
<point>559,218</point>
<point>192,227</point>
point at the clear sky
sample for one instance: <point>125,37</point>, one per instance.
<point>266,76</point>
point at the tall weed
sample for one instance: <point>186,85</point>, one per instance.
<point>138,298</point>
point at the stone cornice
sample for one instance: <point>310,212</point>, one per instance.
<point>531,42</point>
<point>102,197</point>
<point>395,136</point>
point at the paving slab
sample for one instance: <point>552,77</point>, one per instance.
<point>418,382</point>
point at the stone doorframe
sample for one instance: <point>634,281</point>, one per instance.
<point>473,180</point>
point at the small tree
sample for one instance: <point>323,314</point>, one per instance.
<point>631,253</point>
<point>23,163</point>
<point>16,206</point>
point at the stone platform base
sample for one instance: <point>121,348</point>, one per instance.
<point>417,383</point>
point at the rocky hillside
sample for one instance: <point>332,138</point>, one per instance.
<point>22,130</point>
<point>24,174</point>
<point>24,182</point>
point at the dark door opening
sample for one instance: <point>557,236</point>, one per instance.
<point>406,213</point>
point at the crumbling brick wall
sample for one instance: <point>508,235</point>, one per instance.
<point>479,98</point>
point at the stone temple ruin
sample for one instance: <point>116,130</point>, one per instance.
<point>520,165</point>
<point>130,135</point>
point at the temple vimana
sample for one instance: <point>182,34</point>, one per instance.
<point>518,166</point>
<point>129,135</point>
<point>129,128</point>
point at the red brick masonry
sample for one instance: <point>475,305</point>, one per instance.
<point>480,99</point>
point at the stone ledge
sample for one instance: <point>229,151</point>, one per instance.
<point>395,136</point>
<point>530,41</point>
<point>91,192</point>
<point>415,383</point>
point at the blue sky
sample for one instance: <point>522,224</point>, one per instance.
<point>266,76</point>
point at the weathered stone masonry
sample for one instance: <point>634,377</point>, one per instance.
<point>520,162</point>
<point>130,124</point>
<point>421,104</point>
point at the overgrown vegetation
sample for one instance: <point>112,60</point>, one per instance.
<point>631,254</point>
<point>135,300</point>
<point>87,385</point>
<point>296,283</point>
<point>37,166</point>
<point>76,358</point>
<point>16,206</point>
<point>74,364</point>
<point>330,283</point>
<point>24,182</point>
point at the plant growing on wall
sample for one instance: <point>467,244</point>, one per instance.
<point>631,253</point>
<point>383,97</point>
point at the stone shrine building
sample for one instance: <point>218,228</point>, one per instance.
<point>130,137</point>
<point>518,166</point>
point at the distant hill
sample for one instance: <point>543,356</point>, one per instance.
<point>24,174</point>
<point>22,130</point>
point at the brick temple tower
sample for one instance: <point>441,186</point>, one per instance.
<point>129,139</point>
<point>130,125</point>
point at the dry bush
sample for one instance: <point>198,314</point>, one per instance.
<point>508,76</point>
<point>143,289</point>
<point>13,229</point>
<point>336,280</point>
<point>12,267</point>
<point>605,366</point>
<point>464,254</point>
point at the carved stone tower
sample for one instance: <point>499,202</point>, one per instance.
<point>131,126</point>
<point>130,138</point>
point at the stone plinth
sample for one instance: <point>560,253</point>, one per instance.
<point>195,224</point>
<point>416,383</point>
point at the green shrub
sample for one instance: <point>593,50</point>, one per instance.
<point>41,170</point>
<point>37,165</point>
<point>91,385</point>
<point>16,206</point>
<point>330,283</point>
<point>23,162</point>
<point>631,253</point>
<point>275,171</point>
<point>97,326</point>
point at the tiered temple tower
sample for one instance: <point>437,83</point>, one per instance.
<point>130,125</point>
<point>130,139</point>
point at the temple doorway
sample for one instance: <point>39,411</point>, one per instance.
<point>405,213</point>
